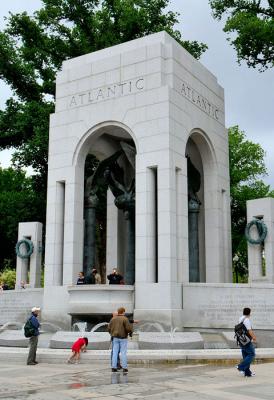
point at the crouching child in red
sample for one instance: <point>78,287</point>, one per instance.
<point>80,345</point>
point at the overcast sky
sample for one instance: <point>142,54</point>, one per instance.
<point>249,94</point>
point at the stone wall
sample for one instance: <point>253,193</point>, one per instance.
<point>220,305</point>
<point>16,305</point>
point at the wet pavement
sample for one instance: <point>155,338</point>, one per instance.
<point>153,382</point>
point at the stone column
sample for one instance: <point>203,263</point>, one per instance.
<point>193,240</point>
<point>22,266</point>
<point>145,225</point>
<point>90,233</point>
<point>73,231</point>
<point>59,233</point>
<point>55,234</point>
<point>167,259</point>
<point>112,234</point>
<point>182,225</point>
<point>33,232</point>
<point>130,262</point>
<point>151,223</point>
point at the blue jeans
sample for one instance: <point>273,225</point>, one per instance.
<point>119,346</point>
<point>248,353</point>
<point>118,360</point>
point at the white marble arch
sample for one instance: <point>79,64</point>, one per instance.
<point>201,152</point>
<point>103,141</point>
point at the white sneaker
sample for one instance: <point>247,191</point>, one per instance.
<point>241,372</point>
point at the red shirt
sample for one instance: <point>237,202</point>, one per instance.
<point>78,344</point>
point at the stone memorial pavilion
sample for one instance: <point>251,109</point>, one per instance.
<point>152,95</point>
<point>154,118</point>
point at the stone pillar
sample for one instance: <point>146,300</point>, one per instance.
<point>73,231</point>
<point>55,233</point>
<point>182,225</point>
<point>193,240</point>
<point>145,224</point>
<point>112,233</point>
<point>130,262</point>
<point>90,233</point>
<point>33,232</point>
<point>261,208</point>
<point>59,233</point>
<point>151,203</point>
<point>167,260</point>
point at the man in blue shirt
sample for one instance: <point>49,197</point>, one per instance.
<point>33,341</point>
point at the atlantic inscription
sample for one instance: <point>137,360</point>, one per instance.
<point>196,98</point>
<point>107,92</point>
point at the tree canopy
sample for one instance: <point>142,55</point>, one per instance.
<point>20,200</point>
<point>247,168</point>
<point>250,24</point>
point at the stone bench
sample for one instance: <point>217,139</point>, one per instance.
<point>64,340</point>
<point>166,340</point>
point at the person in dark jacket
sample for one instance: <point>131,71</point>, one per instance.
<point>81,279</point>
<point>5,286</point>
<point>33,341</point>
<point>119,328</point>
<point>115,278</point>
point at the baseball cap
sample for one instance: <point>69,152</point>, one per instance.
<point>35,309</point>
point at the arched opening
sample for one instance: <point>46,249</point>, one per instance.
<point>201,173</point>
<point>107,160</point>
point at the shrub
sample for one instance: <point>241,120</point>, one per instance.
<point>8,275</point>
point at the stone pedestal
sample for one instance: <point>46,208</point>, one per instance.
<point>263,209</point>
<point>29,269</point>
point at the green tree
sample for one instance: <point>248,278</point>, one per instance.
<point>20,200</point>
<point>247,168</point>
<point>8,275</point>
<point>250,23</point>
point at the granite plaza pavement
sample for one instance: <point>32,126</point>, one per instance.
<point>154,374</point>
<point>155,381</point>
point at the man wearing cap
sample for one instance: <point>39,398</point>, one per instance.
<point>33,342</point>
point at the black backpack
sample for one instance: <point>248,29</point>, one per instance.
<point>29,329</point>
<point>241,335</point>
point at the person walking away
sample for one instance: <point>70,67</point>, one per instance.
<point>79,345</point>
<point>115,278</point>
<point>33,341</point>
<point>119,328</point>
<point>248,350</point>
